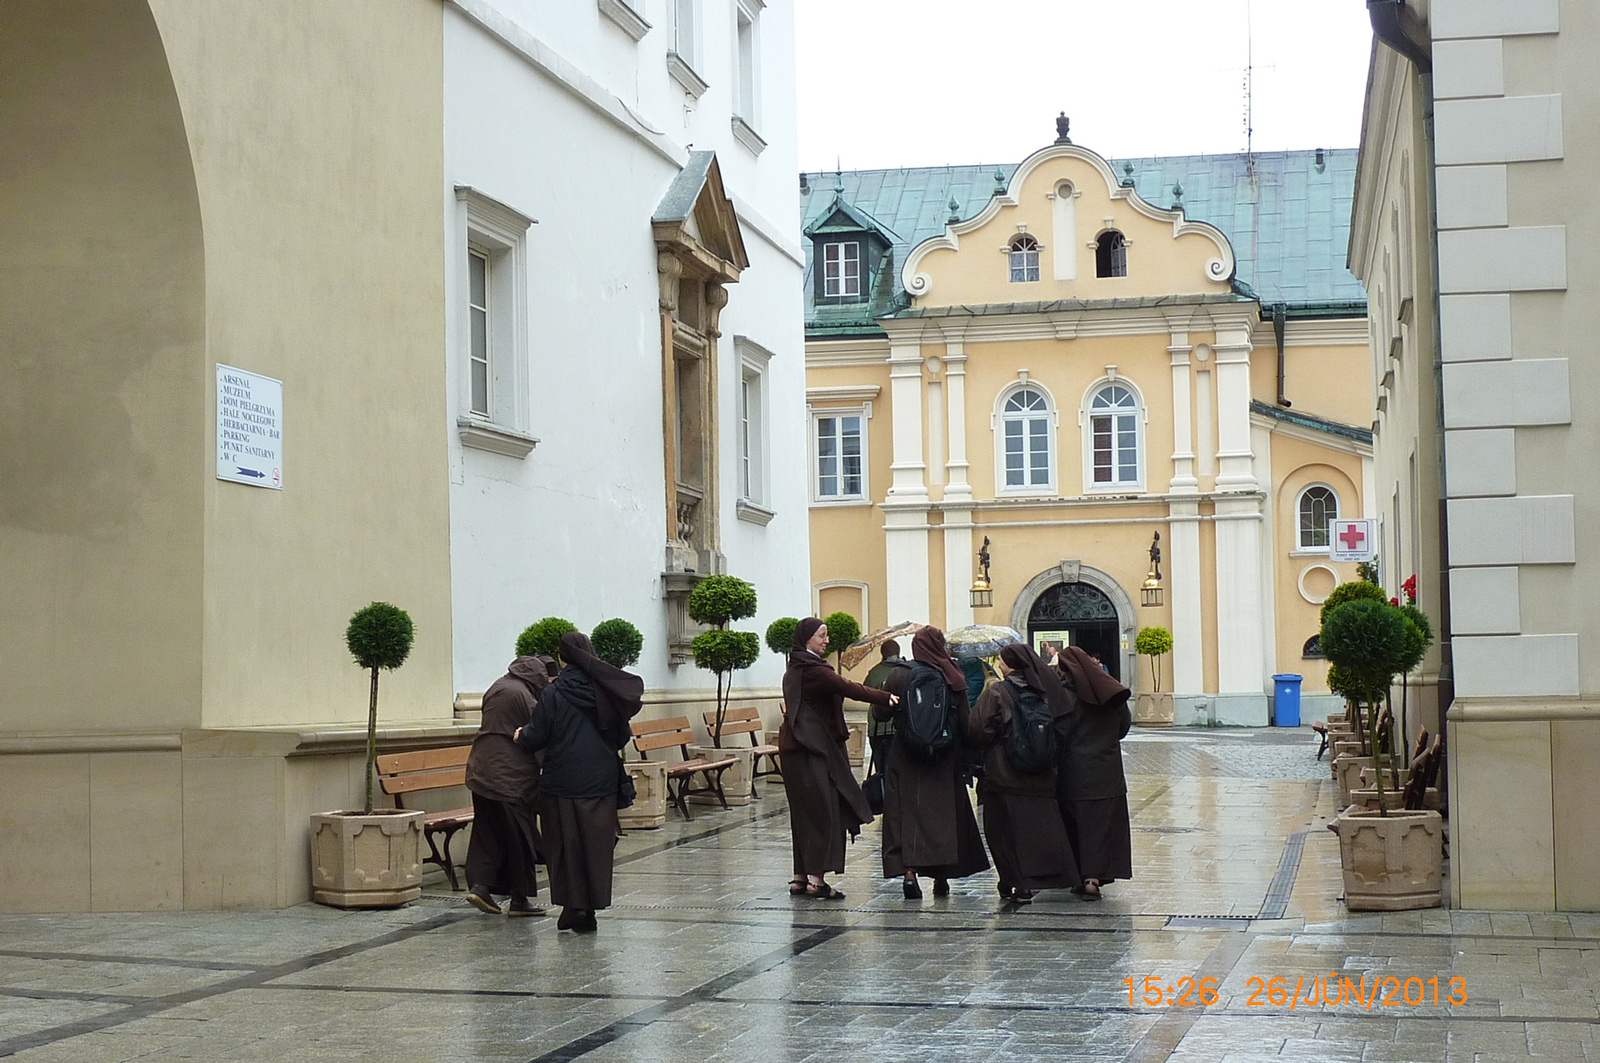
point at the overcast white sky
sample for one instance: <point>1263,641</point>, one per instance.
<point>880,84</point>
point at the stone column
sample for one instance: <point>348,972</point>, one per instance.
<point>906,507</point>
<point>959,551</point>
<point>1241,651</point>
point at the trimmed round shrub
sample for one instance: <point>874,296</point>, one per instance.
<point>1355,590</point>
<point>725,651</point>
<point>617,642</point>
<point>380,636</point>
<point>1419,636</point>
<point>721,599</point>
<point>1367,640</point>
<point>1350,686</point>
<point>1153,641</point>
<point>544,637</point>
<point>843,629</point>
<point>780,635</point>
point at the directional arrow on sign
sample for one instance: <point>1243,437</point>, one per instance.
<point>253,472</point>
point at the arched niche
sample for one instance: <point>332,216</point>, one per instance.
<point>1077,572</point>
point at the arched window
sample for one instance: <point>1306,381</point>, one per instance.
<point>1114,437</point>
<point>1024,259</point>
<point>1318,507</point>
<point>1025,441</point>
<point>1312,650</point>
<point>1111,254</point>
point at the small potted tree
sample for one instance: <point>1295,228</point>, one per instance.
<point>717,602</point>
<point>542,638</point>
<point>371,858</point>
<point>1392,857</point>
<point>617,642</point>
<point>1154,708</point>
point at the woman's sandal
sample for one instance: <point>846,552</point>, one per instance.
<point>1091,890</point>
<point>823,892</point>
<point>797,886</point>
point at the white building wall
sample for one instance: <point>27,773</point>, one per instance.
<point>556,112</point>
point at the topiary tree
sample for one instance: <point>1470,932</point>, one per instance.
<point>717,602</point>
<point>617,642</point>
<point>1355,590</point>
<point>843,629</point>
<point>543,637</point>
<point>780,635</point>
<point>1153,642</point>
<point>1369,642</point>
<point>379,637</point>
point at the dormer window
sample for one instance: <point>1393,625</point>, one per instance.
<point>1111,254</point>
<point>1024,259</point>
<point>841,270</point>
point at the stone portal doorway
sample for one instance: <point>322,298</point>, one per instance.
<point>1082,615</point>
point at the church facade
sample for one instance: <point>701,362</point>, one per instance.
<point>1076,366</point>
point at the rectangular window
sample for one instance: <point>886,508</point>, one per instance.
<point>1115,438</point>
<point>841,270</point>
<point>748,53</point>
<point>840,458</point>
<point>749,410</point>
<point>478,308</point>
<point>1027,443</point>
<point>685,30</point>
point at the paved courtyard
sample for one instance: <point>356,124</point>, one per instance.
<point>706,958</point>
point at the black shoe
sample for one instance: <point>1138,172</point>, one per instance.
<point>941,887</point>
<point>481,900</point>
<point>913,889</point>
<point>570,918</point>
<point>586,923</point>
<point>1005,891</point>
<point>1022,896</point>
<point>521,906</point>
<point>823,892</point>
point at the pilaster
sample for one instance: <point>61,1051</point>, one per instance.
<point>1184,582</point>
<point>906,507</point>
<point>1183,477</point>
<point>1234,458</point>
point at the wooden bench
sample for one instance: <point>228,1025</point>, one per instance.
<point>1321,730</point>
<point>430,769</point>
<point>745,721</point>
<point>650,735</point>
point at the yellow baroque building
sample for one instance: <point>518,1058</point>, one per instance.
<point>1069,361</point>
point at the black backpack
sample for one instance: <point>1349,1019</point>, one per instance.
<point>924,723</point>
<point>1031,744</point>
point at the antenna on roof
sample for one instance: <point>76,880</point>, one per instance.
<point>1249,87</point>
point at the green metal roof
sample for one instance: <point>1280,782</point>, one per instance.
<point>1287,216</point>
<point>1312,421</point>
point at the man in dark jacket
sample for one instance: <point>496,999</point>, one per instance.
<point>880,733</point>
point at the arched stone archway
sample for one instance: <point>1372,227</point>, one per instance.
<point>1077,572</point>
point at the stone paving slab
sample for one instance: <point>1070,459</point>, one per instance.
<point>705,957</point>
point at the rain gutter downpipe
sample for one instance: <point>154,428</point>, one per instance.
<point>1280,315</point>
<point>1396,26</point>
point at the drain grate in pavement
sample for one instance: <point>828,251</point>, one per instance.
<point>1210,922</point>
<point>1169,830</point>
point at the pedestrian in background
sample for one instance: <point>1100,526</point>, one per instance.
<point>1021,817</point>
<point>504,781</point>
<point>881,732</point>
<point>581,722</point>
<point>825,801</point>
<point>1091,786</point>
<point>928,825</point>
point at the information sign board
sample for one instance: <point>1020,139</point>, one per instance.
<point>249,428</point>
<point>1353,540</point>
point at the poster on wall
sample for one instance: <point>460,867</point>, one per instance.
<point>249,428</point>
<point>1049,643</point>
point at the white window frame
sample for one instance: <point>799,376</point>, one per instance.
<point>997,424</point>
<point>1141,419</point>
<point>1123,248</point>
<point>842,283</point>
<point>814,456</point>
<point>683,57</point>
<point>1028,247</point>
<point>499,234</point>
<point>753,471</point>
<point>747,73</point>
<point>1299,531</point>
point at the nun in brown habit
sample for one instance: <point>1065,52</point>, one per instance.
<point>825,800</point>
<point>1090,785</point>
<point>1021,818</point>
<point>580,723</point>
<point>928,825</point>
<point>503,781</point>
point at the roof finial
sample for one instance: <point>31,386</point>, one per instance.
<point>1063,123</point>
<point>1127,174</point>
<point>955,211</point>
<point>999,181</point>
<point>838,179</point>
<point>1177,196</point>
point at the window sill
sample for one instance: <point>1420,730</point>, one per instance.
<point>746,134</point>
<point>747,510</point>
<point>837,503</point>
<point>1128,490</point>
<point>1313,551</point>
<point>623,14</point>
<point>497,439</point>
<point>685,76</point>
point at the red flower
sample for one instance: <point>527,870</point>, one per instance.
<point>1394,601</point>
<point>1409,588</point>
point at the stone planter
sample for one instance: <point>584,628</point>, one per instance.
<point>1350,748</point>
<point>735,780</point>
<point>1347,773</point>
<point>1391,863</point>
<point>1393,778</point>
<point>1367,798</point>
<point>649,808</point>
<point>855,716</point>
<point>363,860</point>
<point>1154,710</point>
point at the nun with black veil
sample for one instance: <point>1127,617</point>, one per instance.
<point>825,800</point>
<point>1091,788</point>
<point>580,724</point>
<point>1021,817</point>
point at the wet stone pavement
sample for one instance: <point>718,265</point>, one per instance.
<point>705,958</point>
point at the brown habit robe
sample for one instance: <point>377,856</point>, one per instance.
<point>1091,787</point>
<point>505,843</point>
<point>825,800</point>
<point>928,825</point>
<point>1021,818</point>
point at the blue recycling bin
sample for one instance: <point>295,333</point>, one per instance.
<point>1286,700</point>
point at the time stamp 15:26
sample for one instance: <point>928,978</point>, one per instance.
<point>1318,991</point>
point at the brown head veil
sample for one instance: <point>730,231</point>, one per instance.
<point>929,647</point>
<point>803,632</point>
<point>1031,669</point>
<point>1093,684</point>
<point>618,695</point>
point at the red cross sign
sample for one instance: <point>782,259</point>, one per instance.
<point>1353,540</point>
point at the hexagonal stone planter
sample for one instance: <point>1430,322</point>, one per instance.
<point>366,860</point>
<point>1391,863</point>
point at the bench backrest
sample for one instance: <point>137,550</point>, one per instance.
<point>425,769</point>
<point>744,721</point>
<point>649,735</point>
